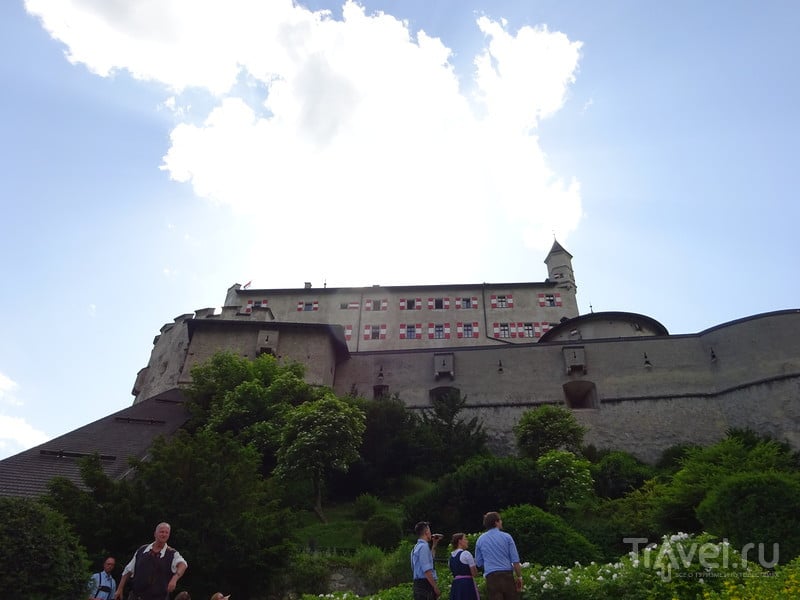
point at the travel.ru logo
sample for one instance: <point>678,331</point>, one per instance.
<point>681,555</point>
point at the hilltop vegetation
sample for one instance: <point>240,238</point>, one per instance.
<point>274,482</point>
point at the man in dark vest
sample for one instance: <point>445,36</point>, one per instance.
<point>155,568</point>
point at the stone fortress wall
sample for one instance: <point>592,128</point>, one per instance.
<point>635,387</point>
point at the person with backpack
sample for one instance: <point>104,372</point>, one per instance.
<point>102,585</point>
<point>155,568</point>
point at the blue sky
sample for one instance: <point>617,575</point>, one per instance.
<point>153,156</point>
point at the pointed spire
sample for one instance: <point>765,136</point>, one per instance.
<point>557,248</point>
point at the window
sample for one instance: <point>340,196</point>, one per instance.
<point>438,303</point>
<point>466,303</point>
<point>467,330</point>
<point>411,332</point>
<point>410,305</point>
<point>343,306</point>
<point>376,305</point>
<point>549,300</point>
<point>308,306</point>
<point>438,332</point>
<point>380,391</point>
<point>504,330</point>
<point>502,302</point>
<point>528,329</point>
<point>376,332</point>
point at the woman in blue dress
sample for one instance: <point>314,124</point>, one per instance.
<point>462,565</point>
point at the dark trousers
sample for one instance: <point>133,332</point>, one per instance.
<point>423,590</point>
<point>500,585</point>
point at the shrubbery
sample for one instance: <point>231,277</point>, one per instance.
<point>545,538</point>
<point>460,499</point>
<point>41,558</point>
<point>670,570</point>
<point>616,473</point>
<point>365,506</point>
<point>381,531</point>
<point>753,508</point>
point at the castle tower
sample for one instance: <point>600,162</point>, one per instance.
<point>559,267</point>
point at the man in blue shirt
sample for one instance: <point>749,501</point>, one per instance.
<point>496,553</point>
<point>425,579</point>
<point>102,586</point>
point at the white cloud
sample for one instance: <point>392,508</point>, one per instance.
<point>362,134</point>
<point>15,433</point>
<point>8,388</point>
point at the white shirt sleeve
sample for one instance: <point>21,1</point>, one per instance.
<point>467,558</point>
<point>176,560</point>
<point>130,566</point>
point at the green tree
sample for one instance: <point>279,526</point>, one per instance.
<point>566,479</point>
<point>756,508</point>
<point>225,519</point>
<point>548,428</point>
<point>616,473</point>
<point>319,437</point>
<point>97,509</point>
<point>449,441</point>
<point>40,557</point>
<point>458,499</point>
<point>702,469</point>
<point>391,447</point>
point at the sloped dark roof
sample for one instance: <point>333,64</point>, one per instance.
<point>555,249</point>
<point>127,433</point>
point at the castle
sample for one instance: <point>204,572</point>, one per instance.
<point>509,347</point>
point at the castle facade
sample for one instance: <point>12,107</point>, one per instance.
<point>509,347</point>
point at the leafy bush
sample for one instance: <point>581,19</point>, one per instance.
<point>548,428</point>
<point>366,505</point>
<point>783,582</point>
<point>381,531</point>
<point>606,522</point>
<point>459,500</point>
<point>565,478</point>
<point>703,469</point>
<point>677,568</point>
<point>756,508</point>
<point>366,558</point>
<point>307,574</point>
<point>546,539</point>
<point>617,473</point>
<point>383,570</point>
<point>40,556</point>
